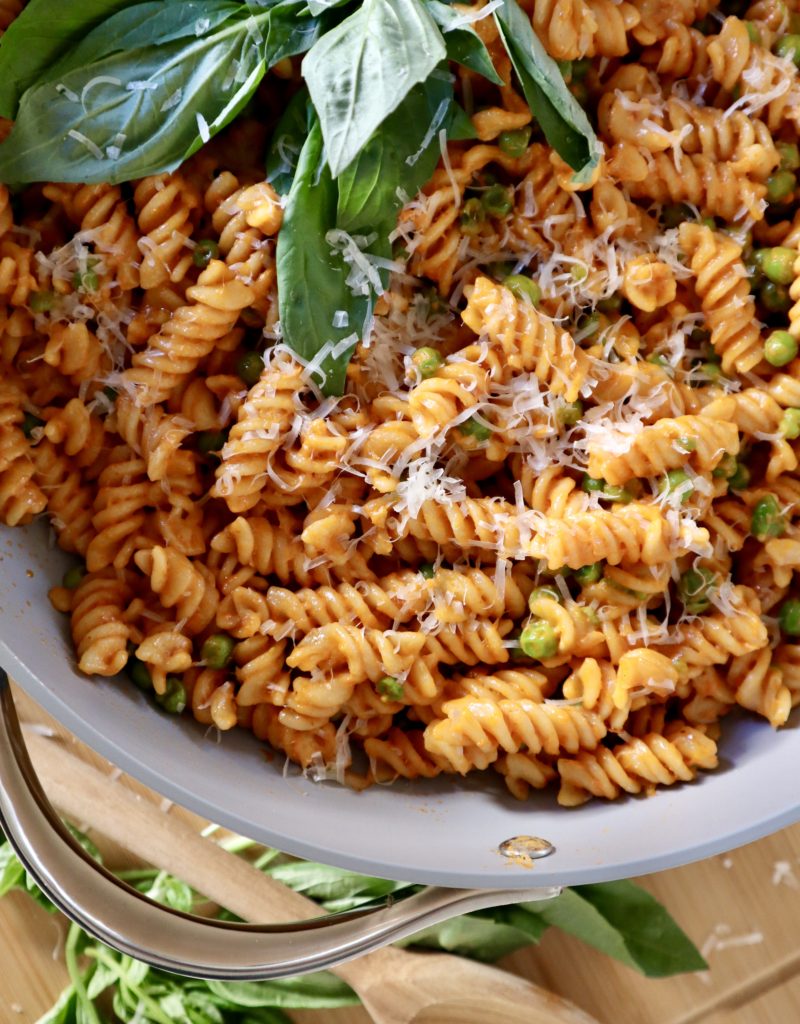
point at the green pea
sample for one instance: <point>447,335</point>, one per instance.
<point>538,640</point>
<point>789,617</point>
<point>708,222</point>
<point>211,441</point>
<point>550,593</point>
<point>472,216</point>
<point>41,302</point>
<point>612,304</point>
<point>789,48</point>
<point>570,414</point>
<point>617,494</point>
<point>777,263</point>
<point>589,573</point>
<point>674,214</point>
<point>497,201</point>
<point>250,366</point>
<point>72,577</point>
<point>754,272</point>
<point>205,252</point>
<point>658,360</point>
<point>790,424</point>
<point>427,361</point>
<point>677,481</point>
<point>514,142</point>
<point>139,674</point>
<point>790,156</point>
<point>780,186</point>
<point>85,280</point>
<point>694,589</point>
<point>173,699</point>
<point>726,467</point>
<point>711,370</point>
<point>217,650</point>
<point>578,272</point>
<point>30,423</point>
<point>780,348</point>
<point>524,289</point>
<point>767,519</point>
<point>775,298</point>
<point>740,479</point>
<point>753,32</point>
<point>474,428</point>
<point>427,570</point>
<point>391,688</point>
<point>588,324</point>
<point>592,484</point>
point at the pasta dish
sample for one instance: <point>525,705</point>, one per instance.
<point>431,414</point>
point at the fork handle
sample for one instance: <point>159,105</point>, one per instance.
<point>118,915</point>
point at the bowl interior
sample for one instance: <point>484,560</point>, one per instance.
<point>443,831</point>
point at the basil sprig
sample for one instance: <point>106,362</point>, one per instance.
<point>112,90</point>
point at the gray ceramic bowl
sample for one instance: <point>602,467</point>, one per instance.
<point>445,831</point>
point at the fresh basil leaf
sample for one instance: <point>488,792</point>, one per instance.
<point>479,937</point>
<point>565,125</point>
<point>153,23</point>
<point>12,873</point>
<point>64,1010</point>
<point>38,36</point>
<point>91,129</point>
<point>267,1015</point>
<point>102,976</point>
<point>287,33</point>
<point>287,141</point>
<point>311,279</point>
<point>360,71</point>
<point>334,888</point>
<point>623,921</point>
<point>463,43</point>
<point>460,125</point>
<point>320,6</point>
<point>399,158</point>
<point>310,991</point>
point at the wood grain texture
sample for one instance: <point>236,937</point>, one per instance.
<point>744,907</point>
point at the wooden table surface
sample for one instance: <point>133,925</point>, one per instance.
<point>742,910</point>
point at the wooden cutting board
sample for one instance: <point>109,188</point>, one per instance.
<point>742,909</point>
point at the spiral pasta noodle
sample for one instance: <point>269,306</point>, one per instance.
<point>551,526</point>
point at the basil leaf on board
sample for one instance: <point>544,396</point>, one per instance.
<point>287,141</point>
<point>486,936</point>
<point>85,127</point>
<point>12,873</point>
<point>312,280</point>
<point>310,991</point>
<point>360,71</point>
<point>623,921</point>
<point>401,155</point>
<point>64,1010</point>
<point>565,124</point>
<point>463,43</point>
<point>334,888</point>
<point>38,37</point>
